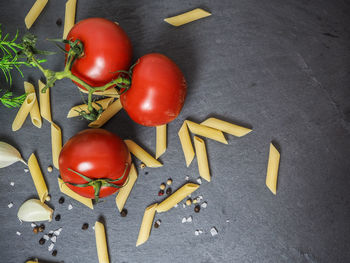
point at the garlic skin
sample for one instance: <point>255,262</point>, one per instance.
<point>9,155</point>
<point>33,210</point>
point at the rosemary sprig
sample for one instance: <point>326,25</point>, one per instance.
<point>9,101</point>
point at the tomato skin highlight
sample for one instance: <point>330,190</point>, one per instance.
<point>95,153</point>
<point>157,93</point>
<point>107,49</point>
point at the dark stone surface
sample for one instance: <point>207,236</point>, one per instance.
<point>281,67</point>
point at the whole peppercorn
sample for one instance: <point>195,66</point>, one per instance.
<point>59,22</point>
<point>85,226</point>
<point>41,228</point>
<point>54,253</point>
<point>61,200</point>
<point>42,241</point>
<point>162,186</point>
<point>58,217</point>
<point>35,230</point>
<point>188,202</point>
<point>197,208</point>
<point>123,213</point>
<point>169,181</point>
<point>50,235</point>
<point>161,192</point>
<point>156,225</point>
<point>169,191</point>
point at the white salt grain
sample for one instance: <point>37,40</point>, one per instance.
<point>70,207</point>
<point>10,205</point>
<point>51,247</point>
<point>183,206</point>
<point>183,220</point>
<point>26,170</point>
<point>176,205</point>
<point>204,205</point>
<point>187,178</point>
<point>200,231</point>
<point>12,183</point>
<point>189,219</point>
<point>57,232</point>
<point>33,225</point>
<point>227,221</point>
<point>199,181</point>
<point>158,222</point>
<point>46,237</point>
<point>213,231</point>
<point>54,239</point>
<point>18,233</point>
<point>196,232</point>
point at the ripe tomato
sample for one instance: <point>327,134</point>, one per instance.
<point>157,92</point>
<point>96,154</point>
<point>107,49</point>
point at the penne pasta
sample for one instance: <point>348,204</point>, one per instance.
<point>142,155</point>
<point>177,197</point>
<point>37,177</point>
<point>160,140</point>
<point>124,192</point>
<point>74,111</point>
<point>69,19</point>
<point>187,17</point>
<point>45,104</point>
<point>67,191</point>
<point>112,93</point>
<point>202,158</point>
<point>272,169</point>
<point>206,131</point>
<point>186,143</point>
<point>227,127</point>
<point>107,114</point>
<point>146,224</point>
<point>34,12</point>
<point>101,243</point>
<point>23,112</point>
<point>56,143</point>
<point>34,112</point>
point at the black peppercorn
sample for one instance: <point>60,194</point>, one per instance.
<point>61,200</point>
<point>50,235</point>
<point>35,230</point>
<point>197,208</point>
<point>54,253</point>
<point>42,241</point>
<point>161,192</point>
<point>41,228</point>
<point>58,217</point>
<point>59,22</point>
<point>146,173</point>
<point>169,191</point>
<point>124,212</point>
<point>85,226</point>
<point>156,225</point>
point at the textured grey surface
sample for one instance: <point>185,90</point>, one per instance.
<point>281,67</point>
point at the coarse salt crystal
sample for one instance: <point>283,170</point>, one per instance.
<point>227,221</point>
<point>46,237</point>
<point>51,247</point>
<point>70,207</point>
<point>196,232</point>
<point>183,206</point>
<point>204,205</point>
<point>33,225</point>
<point>199,181</point>
<point>158,222</point>
<point>176,205</point>
<point>10,205</point>
<point>187,178</point>
<point>18,233</point>
<point>12,183</point>
<point>54,239</point>
<point>213,231</point>
<point>183,220</point>
<point>51,232</point>
<point>189,219</point>
<point>26,170</point>
<point>57,232</point>
<point>200,231</point>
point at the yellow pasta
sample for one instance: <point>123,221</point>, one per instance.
<point>202,158</point>
<point>32,261</point>
<point>38,178</point>
<point>186,143</point>
<point>34,12</point>
<point>272,169</point>
<point>146,224</point>
<point>124,192</point>
<point>66,190</point>
<point>142,155</point>
<point>206,131</point>
<point>101,243</point>
<point>23,112</point>
<point>227,127</point>
<point>69,19</point>
<point>74,111</point>
<point>107,114</point>
<point>56,143</point>
<point>45,105</point>
<point>34,112</point>
<point>177,197</point>
<point>161,140</point>
<point>187,17</point>
<point>112,93</point>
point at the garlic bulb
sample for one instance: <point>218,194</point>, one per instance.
<point>9,155</point>
<point>33,210</point>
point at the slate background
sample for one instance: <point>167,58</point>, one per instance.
<point>281,67</point>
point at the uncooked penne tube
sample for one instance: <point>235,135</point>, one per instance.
<point>142,155</point>
<point>202,158</point>
<point>146,225</point>
<point>124,192</point>
<point>74,111</point>
<point>56,143</point>
<point>45,104</point>
<point>186,143</point>
<point>34,112</point>
<point>23,111</point>
<point>34,12</point>
<point>66,190</point>
<point>227,127</point>
<point>112,93</point>
<point>101,243</point>
<point>37,177</point>
<point>160,140</point>
<point>69,19</point>
<point>187,17</point>
<point>107,114</point>
<point>272,169</point>
<point>177,197</point>
<point>206,131</point>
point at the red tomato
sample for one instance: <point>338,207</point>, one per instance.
<point>157,92</point>
<point>96,154</point>
<point>107,49</point>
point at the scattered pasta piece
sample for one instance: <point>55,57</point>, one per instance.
<point>34,12</point>
<point>34,112</point>
<point>187,17</point>
<point>161,140</point>
<point>177,197</point>
<point>66,190</point>
<point>23,111</point>
<point>69,19</point>
<point>101,243</point>
<point>227,127</point>
<point>45,104</point>
<point>107,114</point>
<point>124,192</point>
<point>37,177</point>
<point>186,144</point>
<point>142,155</point>
<point>206,131</point>
<point>56,143</point>
<point>74,111</point>
<point>202,159</point>
<point>272,169</point>
<point>146,225</point>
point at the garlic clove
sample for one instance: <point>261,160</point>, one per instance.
<point>33,210</point>
<point>9,155</point>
